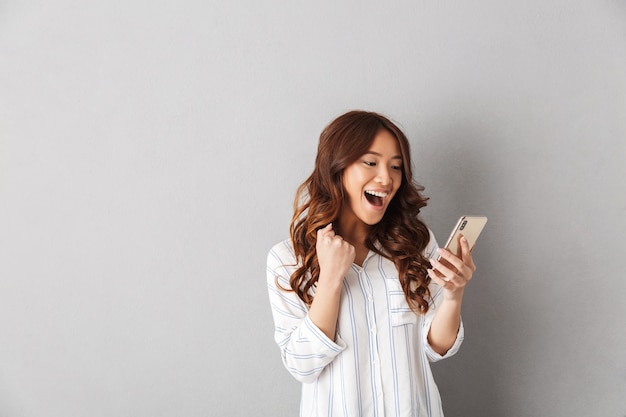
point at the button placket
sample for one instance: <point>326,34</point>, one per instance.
<point>375,362</point>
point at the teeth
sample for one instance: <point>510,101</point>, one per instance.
<point>377,193</point>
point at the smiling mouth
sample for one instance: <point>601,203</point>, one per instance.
<point>375,198</point>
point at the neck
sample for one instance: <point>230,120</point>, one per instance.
<point>353,231</point>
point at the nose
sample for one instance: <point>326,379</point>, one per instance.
<point>383,176</point>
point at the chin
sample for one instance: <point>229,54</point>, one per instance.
<point>372,222</point>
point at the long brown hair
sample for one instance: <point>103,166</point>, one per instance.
<point>401,234</point>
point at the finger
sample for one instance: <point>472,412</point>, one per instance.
<point>443,269</point>
<point>452,259</point>
<point>442,282</point>
<point>466,254</point>
<point>326,230</point>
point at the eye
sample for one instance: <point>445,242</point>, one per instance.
<point>370,163</point>
<point>396,167</point>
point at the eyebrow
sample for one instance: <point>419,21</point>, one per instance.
<point>378,154</point>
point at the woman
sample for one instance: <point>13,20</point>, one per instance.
<point>360,302</point>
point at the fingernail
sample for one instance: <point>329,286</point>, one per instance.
<point>463,239</point>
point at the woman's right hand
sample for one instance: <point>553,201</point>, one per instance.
<point>334,255</point>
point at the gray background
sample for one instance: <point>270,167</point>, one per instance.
<point>149,155</point>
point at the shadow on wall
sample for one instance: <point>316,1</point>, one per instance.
<point>469,176</point>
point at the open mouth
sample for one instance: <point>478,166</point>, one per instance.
<point>375,198</point>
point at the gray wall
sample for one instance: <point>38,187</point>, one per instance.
<point>149,154</point>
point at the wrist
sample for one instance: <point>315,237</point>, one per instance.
<point>454,296</point>
<point>329,282</point>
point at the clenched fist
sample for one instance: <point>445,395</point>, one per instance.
<point>335,256</point>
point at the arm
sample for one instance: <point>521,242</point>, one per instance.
<point>335,256</point>
<point>306,337</point>
<point>452,273</point>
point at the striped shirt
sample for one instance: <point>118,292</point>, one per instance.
<point>379,363</point>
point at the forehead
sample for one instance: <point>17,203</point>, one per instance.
<point>385,144</point>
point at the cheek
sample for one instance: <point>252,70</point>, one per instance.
<point>353,179</point>
<point>396,186</point>
<point>398,180</point>
<point>348,186</point>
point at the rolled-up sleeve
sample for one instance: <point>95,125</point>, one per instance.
<point>305,349</point>
<point>430,352</point>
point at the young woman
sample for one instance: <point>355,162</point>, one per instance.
<point>360,303</point>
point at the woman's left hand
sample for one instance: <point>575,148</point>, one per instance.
<point>453,272</point>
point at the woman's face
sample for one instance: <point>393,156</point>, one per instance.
<point>372,180</point>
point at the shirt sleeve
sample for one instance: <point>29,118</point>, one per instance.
<point>436,292</point>
<point>305,349</point>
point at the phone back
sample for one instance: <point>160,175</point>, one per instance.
<point>468,226</point>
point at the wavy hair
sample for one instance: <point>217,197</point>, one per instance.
<point>402,236</point>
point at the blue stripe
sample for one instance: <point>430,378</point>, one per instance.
<point>287,298</point>
<point>371,339</point>
<point>392,331</point>
<point>355,344</point>
<point>304,355</point>
<point>298,372</point>
<point>342,381</point>
<point>409,355</point>
<point>278,309</point>
<point>309,324</point>
<point>425,367</point>
<point>331,391</point>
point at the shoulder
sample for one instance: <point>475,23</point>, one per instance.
<point>432,246</point>
<point>281,264</point>
<point>281,254</point>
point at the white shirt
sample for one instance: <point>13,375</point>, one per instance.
<point>378,364</point>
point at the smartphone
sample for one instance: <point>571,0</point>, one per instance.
<point>468,226</point>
